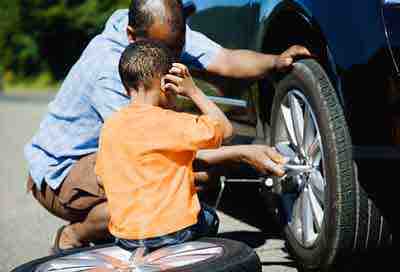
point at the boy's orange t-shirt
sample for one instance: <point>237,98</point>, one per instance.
<point>145,163</point>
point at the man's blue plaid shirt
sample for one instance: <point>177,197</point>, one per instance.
<point>92,91</point>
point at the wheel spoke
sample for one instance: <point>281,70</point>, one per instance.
<point>284,149</point>
<point>318,185</point>
<point>287,120</point>
<point>306,217</point>
<point>314,150</point>
<point>296,219</point>
<point>309,129</point>
<point>318,213</point>
<point>298,121</point>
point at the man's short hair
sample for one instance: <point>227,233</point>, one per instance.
<point>142,61</point>
<point>142,15</point>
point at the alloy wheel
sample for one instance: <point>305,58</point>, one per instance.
<point>303,194</point>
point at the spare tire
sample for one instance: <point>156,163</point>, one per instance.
<point>325,212</point>
<point>206,254</point>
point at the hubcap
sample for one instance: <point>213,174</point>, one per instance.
<point>303,194</point>
<point>117,259</point>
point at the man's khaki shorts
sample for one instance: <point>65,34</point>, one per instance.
<point>78,193</point>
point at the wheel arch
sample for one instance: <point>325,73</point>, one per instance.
<point>277,34</point>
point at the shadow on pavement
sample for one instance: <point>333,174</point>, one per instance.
<point>242,201</point>
<point>373,260</point>
<point>253,239</point>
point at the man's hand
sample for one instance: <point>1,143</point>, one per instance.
<point>286,59</point>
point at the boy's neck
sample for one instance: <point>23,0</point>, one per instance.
<point>148,96</point>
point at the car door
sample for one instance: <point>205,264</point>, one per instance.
<point>227,22</point>
<point>230,23</point>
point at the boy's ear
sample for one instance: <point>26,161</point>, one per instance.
<point>129,92</point>
<point>130,31</point>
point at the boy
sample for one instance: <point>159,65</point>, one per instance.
<point>146,152</point>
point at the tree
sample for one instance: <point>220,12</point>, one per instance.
<point>49,35</point>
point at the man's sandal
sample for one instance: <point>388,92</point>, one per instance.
<point>55,249</point>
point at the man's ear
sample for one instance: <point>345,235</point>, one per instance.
<point>130,31</point>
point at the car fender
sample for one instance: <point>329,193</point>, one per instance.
<point>270,41</point>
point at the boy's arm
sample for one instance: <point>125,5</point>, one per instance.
<point>262,157</point>
<point>209,108</point>
<point>180,81</point>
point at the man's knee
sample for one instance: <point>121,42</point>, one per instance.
<point>48,199</point>
<point>81,190</point>
<point>77,194</point>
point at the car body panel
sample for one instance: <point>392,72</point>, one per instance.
<point>358,57</point>
<point>236,14</point>
<point>352,39</point>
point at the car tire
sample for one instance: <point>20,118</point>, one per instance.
<point>351,222</point>
<point>236,257</point>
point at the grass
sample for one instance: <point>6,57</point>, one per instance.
<point>44,83</point>
<point>41,84</point>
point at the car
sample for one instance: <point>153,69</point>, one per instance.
<point>335,114</point>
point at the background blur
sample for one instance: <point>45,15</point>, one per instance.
<point>41,39</point>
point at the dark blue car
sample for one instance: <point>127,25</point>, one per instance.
<point>336,114</point>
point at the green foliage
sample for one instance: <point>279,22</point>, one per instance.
<point>47,36</point>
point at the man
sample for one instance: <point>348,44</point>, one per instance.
<point>62,154</point>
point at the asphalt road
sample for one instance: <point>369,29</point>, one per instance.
<point>26,229</point>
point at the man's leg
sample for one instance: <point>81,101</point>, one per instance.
<point>92,228</point>
<point>79,200</point>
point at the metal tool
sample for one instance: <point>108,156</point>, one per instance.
<point>223,180</point>
<point>292,170</point>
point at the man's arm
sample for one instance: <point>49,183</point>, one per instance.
<point>246,64</point>
<point>203,53</point>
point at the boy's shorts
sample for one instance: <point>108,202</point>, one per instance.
<point>207,225</point>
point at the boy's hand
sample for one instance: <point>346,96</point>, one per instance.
<point>264,158</point>
<point>179,81</point>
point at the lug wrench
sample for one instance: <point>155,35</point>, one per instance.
<point>223,180</point>
<point>291,170</point>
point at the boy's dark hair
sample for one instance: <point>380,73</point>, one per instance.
<point>141,16</point>
<point>142,61</point>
